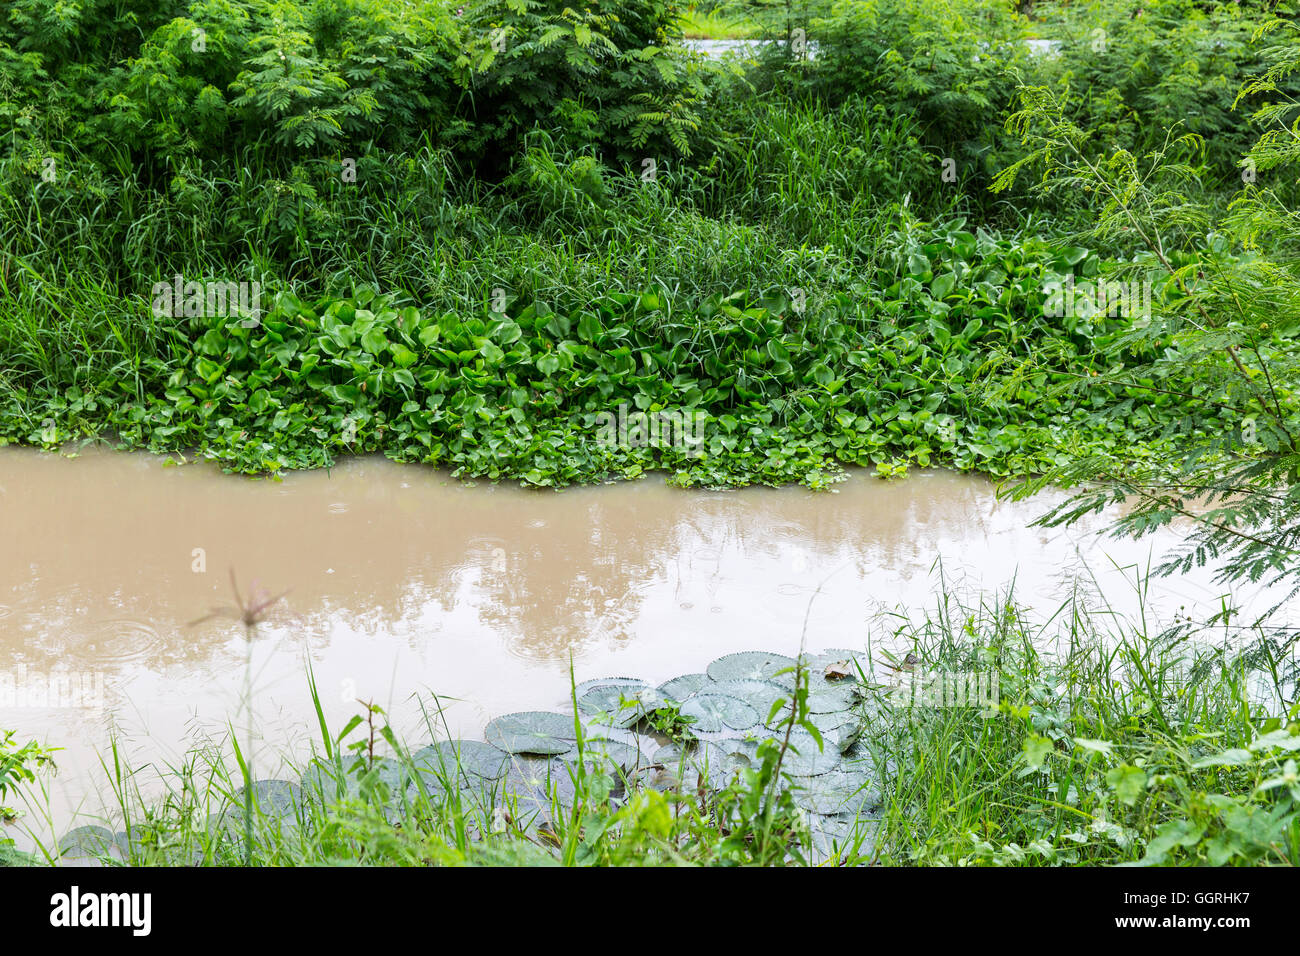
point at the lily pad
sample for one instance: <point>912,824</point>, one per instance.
<point>826,698</point>
<point>670,768</point>
<point>624,756</point>
<point>90,842</point>
<point>752,665</point>
<point>596,683</point>
<point>718,712</point>
<point>276,806</point>
<point>683,767</point>
<point>803,759</point>
<point>759,694</point>
<point>606,701</point>
<point>273,798</point>
<point>840,728</point>
<point>827,722</point>
<point>837,792</point>
<point>840,838</point>
<point>476,761</point>
<point>332,780</point>
<point>741,752</point>
<point>683,687</point>
<point>830,719</point>
<point>532,732</point>
<point>533,780</point>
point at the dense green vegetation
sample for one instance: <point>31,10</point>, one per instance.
<point>875,375</point>
<point>797,264</point>
<point>478,229</point>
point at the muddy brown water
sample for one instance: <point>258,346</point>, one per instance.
<point>404,582</point>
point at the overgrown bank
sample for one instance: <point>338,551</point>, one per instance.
<point>468,250</point>
<point>896,371</point>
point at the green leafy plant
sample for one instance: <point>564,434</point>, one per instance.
<point>1220,321</point>
<point>20,765</point>
<point>610,74</point>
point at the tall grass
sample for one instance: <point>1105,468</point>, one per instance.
<point>1109,745</point>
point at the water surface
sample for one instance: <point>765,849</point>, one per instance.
<point>402,581</point>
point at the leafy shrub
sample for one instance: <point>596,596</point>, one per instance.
<point>611,75</point>
<point>173,85</point>
<point>567,190</point>
<point>947,64</point>
<point>1229,323</point>
<point>1173,65</point>
<point>1125,75</point>
<point>307,77</point>
<point>18,765</point>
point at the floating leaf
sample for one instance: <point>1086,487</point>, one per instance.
<point>836,792</point>
<point>752,665</point>
<point>759,694</point>
<point>278,798</point>
<point>828,699</point>
<point>805,759</point>
<point>683,767</point>
<point>90,842</point>
<point>608,699</point>
<point>624,756</point>
<point>717,712</point>
<point>476,760</point>
<point>683,687</point>
<point>534,780</point>
<point>839,729</point>
<point>335,780</point>
<point>741,752</point>
<point>839,837</point>
<point>589,685</point>
<point>531,732</point>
